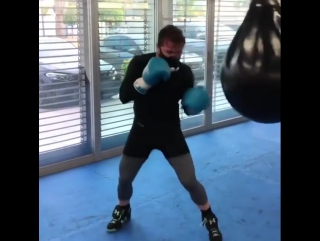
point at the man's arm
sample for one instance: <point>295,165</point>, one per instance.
<point>189,80</point>
<point>127,91</point>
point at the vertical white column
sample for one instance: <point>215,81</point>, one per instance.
<point>209,59</point>
<point>92,67</point>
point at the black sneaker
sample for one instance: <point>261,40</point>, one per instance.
<point>120,215</point>
<point>211,223</point>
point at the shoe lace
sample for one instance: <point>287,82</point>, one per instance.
<point>211,225</point>
<point>117,215</point>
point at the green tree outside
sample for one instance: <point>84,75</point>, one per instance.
<point>107,15</point>
<point>190,7</point>
<point>70,16</point>
<point>44,10</point>
<point>242,3</point>
<point>111,15</point>
<point>124,66</point>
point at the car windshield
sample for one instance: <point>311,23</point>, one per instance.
<point>47,50</point>
<point>201,29</point>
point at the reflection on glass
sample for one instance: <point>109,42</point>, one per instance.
<point>125,30</point>
<point>227,20</point>
<point>191,19</point>
<point>62,87</point>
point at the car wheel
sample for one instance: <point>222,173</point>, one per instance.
<point>118,77</point>
<point>102,95</point>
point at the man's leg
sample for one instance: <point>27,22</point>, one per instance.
<point>136,151</point>
<point>184,168</point>
<point>177,153</point>
<point>129,168</point>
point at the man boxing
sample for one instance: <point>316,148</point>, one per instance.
<point>156,82</point>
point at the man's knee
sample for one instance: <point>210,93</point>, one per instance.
<point>125,180</point>
<point>129,167</point>
<point>196,190</point>
<point>189,183</point>
<point>184,168</point>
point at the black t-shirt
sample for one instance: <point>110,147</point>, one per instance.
<point>161,102</point>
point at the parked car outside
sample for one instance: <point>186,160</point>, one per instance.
<point>129,45</point>
<point>220,46</point>
<point>110,53</point>
<point>60,74</point>
<point>194,61</point>
<point>196,30</point>
<point>122,47</point>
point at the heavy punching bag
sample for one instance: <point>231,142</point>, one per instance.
<point>250,75</point>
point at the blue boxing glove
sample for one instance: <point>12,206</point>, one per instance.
<point>156,71</point>
<point>195,100</point>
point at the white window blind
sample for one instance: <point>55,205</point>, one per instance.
<point>62,84</point>
<point>126,29</point>
<point>190,17</point>
<point>229,15</point>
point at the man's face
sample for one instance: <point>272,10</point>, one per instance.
<point>171,50</point>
